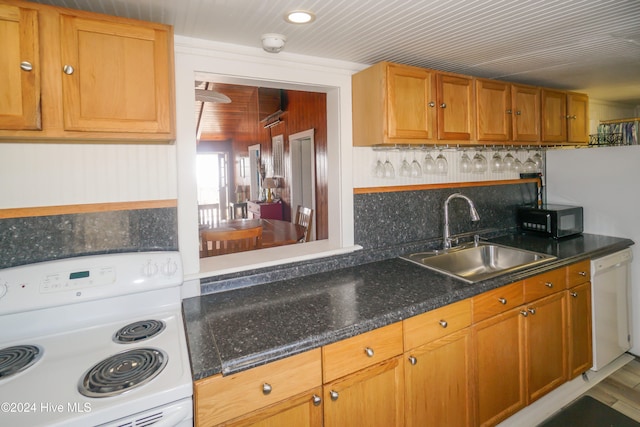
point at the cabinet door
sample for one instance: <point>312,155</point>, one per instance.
<point>438,382</point>
<point>500,367</point>
<point>455,107</point>
<point>493,112</point>
<point>579,339</point>
<point>304,410</point>
<point>577,117</point>
<point>410,103</point>
<point>19,68</point>
<point>526,113</point>
<point>546,345</point>
<point>371,397</point>
<point>554,112</point>
<point>117,77</point>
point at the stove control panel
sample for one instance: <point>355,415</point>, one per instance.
<point>72,280</point>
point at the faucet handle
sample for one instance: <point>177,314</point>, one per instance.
<point>476,239</point>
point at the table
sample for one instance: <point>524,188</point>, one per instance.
<point>274,232</point>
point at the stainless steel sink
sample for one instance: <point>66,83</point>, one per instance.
<point>473,263</point>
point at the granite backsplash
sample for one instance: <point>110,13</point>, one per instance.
<point>43,238</point>
<point>388,224</point>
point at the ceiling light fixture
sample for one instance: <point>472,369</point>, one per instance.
<point>299,17</point>
<point>272,42</point>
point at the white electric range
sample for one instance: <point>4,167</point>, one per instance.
<point>94,340</point>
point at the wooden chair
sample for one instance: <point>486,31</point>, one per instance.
<point>304,217</point>
<point>220,242</point>
<point>209,214</point>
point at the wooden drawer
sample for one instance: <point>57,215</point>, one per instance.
<point>361,351</point>
<point>578,273</point>
<point>221,398</point>
<point>498,300</point>
<point>429,326</point>
<point>544,284</point>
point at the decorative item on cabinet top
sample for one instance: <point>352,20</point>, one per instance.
<point>395,165</point>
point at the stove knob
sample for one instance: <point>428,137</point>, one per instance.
<point>3,289</point>
<point>169,268</point>
<point>150,269</point>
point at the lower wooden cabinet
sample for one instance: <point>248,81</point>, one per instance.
<point>579,331</point>
<point>438,382</point>
<point>371,397</point>
<point>304,410</point>
<point>500,353</point>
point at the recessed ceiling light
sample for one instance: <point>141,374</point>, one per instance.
<point>299,17</point>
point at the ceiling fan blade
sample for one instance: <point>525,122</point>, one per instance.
<point>211,96</point>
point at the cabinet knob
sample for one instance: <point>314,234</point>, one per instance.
<point>532,310</point>
<point>508,111</point>
<point>549,285</point>
<point>369,351</point>
<point>518,113</point>
<point>413,360</point>
<point>443,105</point>
<point>574,294</point>
<point>317,400</point>
<point>524,313</point>
<point>26,66</point>
<point>334,395</point>
<point>582,273</point>
<point>431,104</point>
<point>502,300</point>
<point>266,388</point>
<point>443,323</point>
<point>68,69</point>
<point>571,117</point>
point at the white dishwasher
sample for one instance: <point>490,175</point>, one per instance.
<point>611,289</point>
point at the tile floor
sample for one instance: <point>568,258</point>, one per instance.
<point>621,390</point>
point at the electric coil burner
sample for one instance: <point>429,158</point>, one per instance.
<point>122,372</point>
<point>139,331</point>
<point>16,359</point>
<point>95,341</point>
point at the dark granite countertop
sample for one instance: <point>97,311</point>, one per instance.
<point>231,331</point>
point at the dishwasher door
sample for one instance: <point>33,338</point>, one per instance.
<point>611,290</point>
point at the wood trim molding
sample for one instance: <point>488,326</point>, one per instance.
<point>372,190</point>
<point>88,208</point>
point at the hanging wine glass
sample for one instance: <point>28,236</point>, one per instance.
<point>389,171</point>
<point>428,164</point>
<point>496,162</point>
<point>537,158</point>
<point>416,170</point>
<point>378,168</point>
<point>442,166</point>
<point>479,163</point>
<point>465,163</point>
<point>529,165</point>
<point>405,167</point>
<point>508,162</point>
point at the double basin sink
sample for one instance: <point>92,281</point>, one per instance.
<point>478,261</point>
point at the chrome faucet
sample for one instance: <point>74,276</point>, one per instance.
<point>446,236</point>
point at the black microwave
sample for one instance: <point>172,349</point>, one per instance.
<point>556,221</point>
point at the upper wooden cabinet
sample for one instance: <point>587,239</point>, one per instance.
<point>399,104</point>
<point>565,117</point>
<point>507,112</point>
<point>102,77</point>
<point>20,68</point>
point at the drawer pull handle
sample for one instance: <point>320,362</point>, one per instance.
<point>26,66</point>
<point>369,351</point>
<point>443,105</point>
<point>502,300</point>
<point>317,400</point>
<point>549,285</point>
<point>532,310</point>
<point>266,388</point>
<point>413,360</point>
<point>524,313</point>
<point>431,104</point>
<point>68,70</point>
<point>334,395</point>
<point>574,294</point>
<point>443,323</point>
<point>582,273</point>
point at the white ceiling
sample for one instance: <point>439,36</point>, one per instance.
<point>584,45</point>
